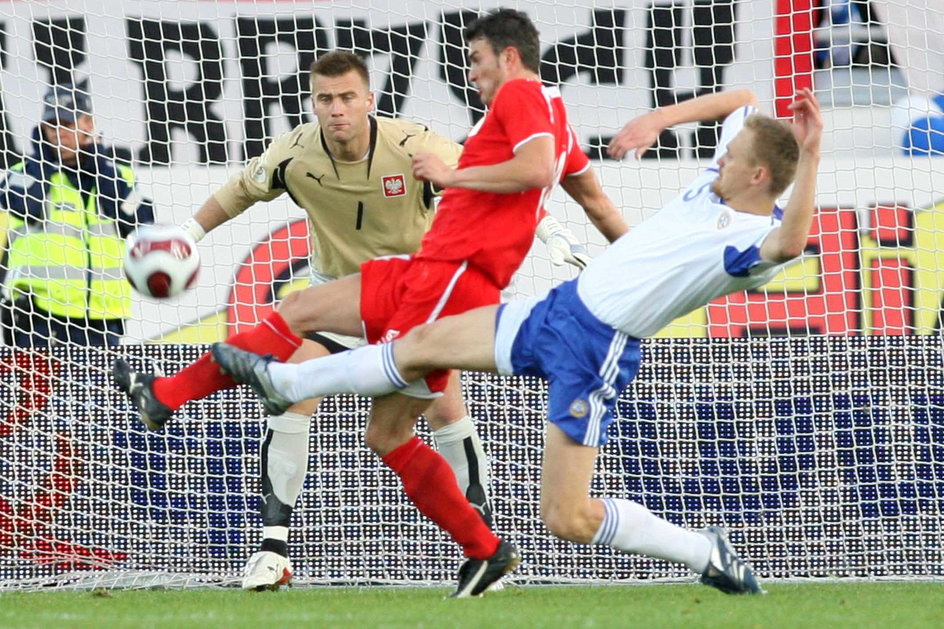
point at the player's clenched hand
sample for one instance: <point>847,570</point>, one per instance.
<point>640,134</point>
<point>428,167</point>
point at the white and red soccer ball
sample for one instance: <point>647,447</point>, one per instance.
<point>161,261</point>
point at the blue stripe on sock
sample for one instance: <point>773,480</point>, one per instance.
<point>390,366</point>
<point>610,523</point>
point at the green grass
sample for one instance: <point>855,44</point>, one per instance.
<point>816,606</point>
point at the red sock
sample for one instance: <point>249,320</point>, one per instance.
<point>431,484</point>
<point>203,377</point>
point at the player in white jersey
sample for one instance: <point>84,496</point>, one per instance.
<point>723,234</point>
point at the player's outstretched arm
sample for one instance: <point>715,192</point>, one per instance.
<point>585,189</point>
<point>788,241</point>
<point>640,133</point>
<point>210,216</point>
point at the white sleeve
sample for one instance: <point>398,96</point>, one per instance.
<point>731,126</point>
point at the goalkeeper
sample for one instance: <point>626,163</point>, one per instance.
<point>346,171</point>
<point>722,235</point>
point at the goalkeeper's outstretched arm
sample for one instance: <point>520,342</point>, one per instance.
<point>562,245</point>
<point>210,216</point>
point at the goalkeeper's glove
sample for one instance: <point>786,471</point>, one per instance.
<point>194,228</point>
<point>562,244</point>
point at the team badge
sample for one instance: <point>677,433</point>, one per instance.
<point>724,220</point>
<point>390,336</point>
<point>579,408</point>
<point>394,186</point>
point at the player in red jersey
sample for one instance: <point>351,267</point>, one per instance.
<point>482,231</point>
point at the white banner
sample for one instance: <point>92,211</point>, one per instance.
<point>163,75</point>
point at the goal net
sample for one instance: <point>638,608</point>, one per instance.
<point>807,417</point>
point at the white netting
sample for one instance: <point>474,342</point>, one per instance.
<point>823,451</point>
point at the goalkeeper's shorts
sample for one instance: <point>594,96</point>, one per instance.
<point>586,362</point>
<point>399,293</point>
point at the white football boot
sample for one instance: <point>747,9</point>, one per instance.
<point>266,570</point>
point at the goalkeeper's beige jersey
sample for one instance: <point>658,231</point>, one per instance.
<point>357,210</point>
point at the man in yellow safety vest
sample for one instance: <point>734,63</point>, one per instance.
<point>71,206</point>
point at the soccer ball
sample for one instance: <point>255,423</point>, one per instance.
<point>161,261</point>
<point>920,121</point>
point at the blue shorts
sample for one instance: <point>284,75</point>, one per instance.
<point>586,362</point>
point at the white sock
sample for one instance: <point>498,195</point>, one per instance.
<point>632,528</point>
<point>279,533</point>
<point>367,370</point>
<point>287,456</point>
<point>469,465</point>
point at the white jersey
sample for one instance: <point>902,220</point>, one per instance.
<point>692,251</point>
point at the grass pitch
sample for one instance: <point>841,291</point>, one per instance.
<point>818,606</point>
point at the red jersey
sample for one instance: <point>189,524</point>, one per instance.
<point>494,231</point>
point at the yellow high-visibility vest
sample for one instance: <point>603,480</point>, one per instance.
<point>71,263</point>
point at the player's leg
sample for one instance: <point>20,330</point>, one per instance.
<point>434,291</point>
<point>431,486</point>
<point>587,363</point>
<point>373,370</point>
<point>457,339</point>
<point>396,294</point>
<point>427,478</point>
<point>570,513</point>
<point>283,467</point>
<point>457,439</point>
<point>333,306</point>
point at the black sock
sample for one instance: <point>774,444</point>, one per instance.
<point>276,546</point>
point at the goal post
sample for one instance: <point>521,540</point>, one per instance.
<point>807,417</point>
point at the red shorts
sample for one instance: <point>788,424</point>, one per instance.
<point>399,293</point>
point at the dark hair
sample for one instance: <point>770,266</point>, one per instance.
<point>505,28</point>
<point>339,62</point>
<point>775,147</point>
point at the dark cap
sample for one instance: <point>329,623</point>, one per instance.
<point>66,103</point>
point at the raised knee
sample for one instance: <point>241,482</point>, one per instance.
<point>289,301</point>
<point>289,309</point>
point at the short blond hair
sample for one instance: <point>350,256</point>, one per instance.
<point>775,148</point>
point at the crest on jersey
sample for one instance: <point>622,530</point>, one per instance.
<point>579,408</point>
<point>389,336</point>
<point>724,219</point>
<point>394,186</point>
